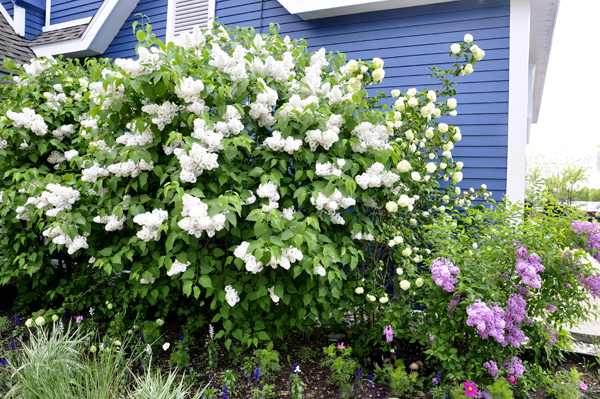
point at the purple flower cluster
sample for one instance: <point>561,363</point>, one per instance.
<point>489,321</point>
<point>389,333</point>
<point>551,308</point>
<point>492,368</point>
<point>443,272</point>
<point>437,379</point>
<point>592,236</point>
<point>592,283</point>
<point>515,313</point>
<point>553,339</point>
<point>528,267</point>
<point>515,365</point>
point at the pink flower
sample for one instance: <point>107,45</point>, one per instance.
<point>512,378</point>
<point>583,386</point>
<point>78,319</point>
<point>341,346</point>
<point>431,337</point>
<point>470,389</point>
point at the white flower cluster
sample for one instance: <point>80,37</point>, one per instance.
<point>60,238</point>
<point>329,169</point>
<point>36,67</point>
<point>30,120</point>
<point>269,191</point>
<point>91,174</point>
<point>56,158</point>
<point>361,236</point>
<point>278,143</point>
<point>406,202</point>
<point>263,106</point>
<point>288,213</point>
<point>3,144</point>
<point>278,70</point>
<point>369,135</point>
<point>129,168</point>
<point>232,123</point>
<point>250,200</point>
<point>316,138</point>
<point>189,90</point>
<point>71,154</point>
<point>231,296</point>
<point>55,98</point>
<point>193,40</point>
<point>288,256</point>
<point>375,176</point>
<point>137,138</point>
<point>196,219</point>
<point>177,268</point>
<point>111,222</point>
<point>60,197</point>
<point>99,95</point>
<point>150,222</point>
<point>148,62</point>
<point>165,113</point>
<point>234,66</point>
<point>296,103</point>
<point>319,270</point>
<point>168,149</point>
<point>197,161</point>
<point>312,75</point>
<point>252,265</point>
<point>331,204</point>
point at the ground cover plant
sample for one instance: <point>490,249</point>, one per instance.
<point>240,180</point>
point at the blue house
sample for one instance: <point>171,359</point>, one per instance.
<point>498,102</point>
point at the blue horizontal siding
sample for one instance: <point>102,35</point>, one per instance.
<point>9,7</point>
<point>123,45</point>
<point>34,22</point>
<point>70,10</point>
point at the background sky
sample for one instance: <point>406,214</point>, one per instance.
<point>569,122</point>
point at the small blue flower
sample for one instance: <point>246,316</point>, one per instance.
<point>66,315</point>
<point>358,374</point>
<point>225,393</point>
<point>370,377</point>
<point>181,336</point>
<point>3,362</point>
<point>12,345</point>
<point>140,336</point>
<point>294,367</point>
<point>210,377</point>
<point>17,320</point>
<point>257,374</point>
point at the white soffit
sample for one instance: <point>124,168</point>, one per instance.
<point>314,9</point>
<point>543,20</point>
<point>100,32</point>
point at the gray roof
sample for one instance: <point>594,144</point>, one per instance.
<point>60,35</point>
<point>17,48</point>
<point>13,46</point>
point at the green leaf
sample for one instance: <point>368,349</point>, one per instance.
<point>205,281</point>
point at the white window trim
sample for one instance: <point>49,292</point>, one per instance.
<point>518,99</point>
<point>7,16</point>
<point>171,18</point>
<point>100,32</point>
<point>314,9</point>
<point>68,24</point>
<point>19,20</point>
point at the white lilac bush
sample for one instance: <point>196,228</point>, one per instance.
<point>236,177</point>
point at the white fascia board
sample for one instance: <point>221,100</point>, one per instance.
<point>68,24</point>
<point>314,9</point>
<point>48,12</point>
<point>7,16</point>
<point>170,21</point>
<point>100,32</point>
<point>518,99</point>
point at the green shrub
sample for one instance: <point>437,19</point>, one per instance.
<point>565,385</point>
<point>267,360</point>
<point>501,389</point>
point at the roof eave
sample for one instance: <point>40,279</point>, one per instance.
<point>100,32</point>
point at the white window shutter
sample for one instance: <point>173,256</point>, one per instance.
<point>183,15</point>
<point>189,13</point>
